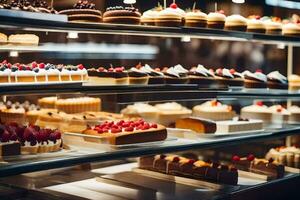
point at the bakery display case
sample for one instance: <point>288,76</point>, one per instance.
<point>114,104</point>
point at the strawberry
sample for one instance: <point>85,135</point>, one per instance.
<point>173,5</point>
<point>236,158</point>
<point>176,159</point>
<point>250,157</point>
<point>42,66</point>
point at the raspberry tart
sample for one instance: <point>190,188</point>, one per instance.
<point>111,76</point>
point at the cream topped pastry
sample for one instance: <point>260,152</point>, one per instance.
<point>279,109</point>
<point>176,75</point>
<point>216,20</point>
<point>202,71</point>
<point>291,29</point>
<point>236,23</point>
<point>149,16</point>
<point>137,76</point>
<point>257,107</point>
<point>273,25</point>
<point>172,16</point>
<point>196,18</point>
<point>155,76</point>
<point>5,74</point>
<point>255,80</point>
<point>256,26</point>
<point>180,69</point>
<point>277,81</point>
<point>214,106</point>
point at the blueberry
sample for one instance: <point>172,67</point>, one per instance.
<point>2,68</point>
<point>36,70</point>
<point>14,68</point>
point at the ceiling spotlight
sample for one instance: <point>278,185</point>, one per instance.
<point>129,1</point>
<point>238,1</point>
<point>13,54</point>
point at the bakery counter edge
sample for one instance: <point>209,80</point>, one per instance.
<point>175,146</point>
<point>140,29</point>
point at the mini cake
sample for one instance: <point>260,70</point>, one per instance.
<point>280,115</point>
<point>53,74</point>
<point>288,156</point>
<point>277,81</point>
<point>172,16</point>
<point>196,124</point>
<point>189,168</point>
<point>216,20</point>
<point>255,80</point>
<point>120,15</point>
<point>200,75</point>
<point>213,110</point>
<point>83,11</point>
<point>195,18</point>
<point>5,73</point>
<point>273,25</point>
<point>170,112</point>
<point>291,29</point>
<point>77,105</point>
<point>257,111</point>
<point>25,74</point>
<point>236,23</point>
<point>12,113</point>
<point>3,38</point>
<point>238,78</point>
<point>128,132</point>
<point>225,78</point>
<point>23,39</point>
<point>145,111</point>
<point>47,102</point>
<point>255,25</point>
<point>176,75</point>
<point>155,76</point>
<point>112,76</point>
<point>294,82</point>
<point>295,114</point>
<point>137,77</point>
<point>238,125</point>
<point>270,168</point>
<point>149,16</point>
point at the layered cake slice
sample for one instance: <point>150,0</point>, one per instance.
<point>196,124</point>
<point>239,125</point>
<point>270,168</point>
<point>128,132</point>
<point>111,76</point>
<point>189,168</point>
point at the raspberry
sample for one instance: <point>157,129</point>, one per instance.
<point>173,5</point>
<point>129,129</point>
<point>153,125</point>
<point>41,65</point>
<point>116,130</point>
<point>250,157</point>
<point>176,159</point>
<point>236,158</point>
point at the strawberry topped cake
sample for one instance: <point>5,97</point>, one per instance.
<point>128,132</point>
<point>172,16</point>
<point>33,139</point>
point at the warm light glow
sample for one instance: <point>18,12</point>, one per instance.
<point>13,54</point>
<point>186,39</point>
<point>129,1</point>
<point>238,1</point>
<point>72,35</point>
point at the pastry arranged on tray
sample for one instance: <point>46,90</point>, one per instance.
<point>17,139</point>
<point>189,168</point>
<point>271,168</point>
<point>127,132</point>
<point>39,72</point>
<point>288,156</point>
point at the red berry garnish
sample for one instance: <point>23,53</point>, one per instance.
<point>173,5</point>
<point>105,130</point>
<point>9,65</point>
<point>232,71</point>
<point>279,110</point>
<point>250,157</point>
<point>101,69</point>
<point>111,69</point>
<point>116,130</point>
<point>4,62</point>
<point>221,11</point>
<point>126,124</point>
<point>34,64</point>
<point>28,68</point>
<point>259,103</point>
<point>191,161</point>
<point>236,158</point>
<point>41,65</point>
<point>157,69</point>
<point>5,136</point>
<point>146,126</point>
<point>233,169</point>
<point>99,130</point>
<point>129,129</point>
<point>153,125</point>
<point>258,71</point>
<point>80,66</point>
<point>119,69</point>
<point>176,159</point>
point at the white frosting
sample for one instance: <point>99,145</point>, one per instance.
<point>172,106</point>
<point>212,106</point>
<point>225,72</point>
<point>171,12</point>
<point>27,144</point>
<point>291,28</point>
<point>215,16</point>
<point>139,108</point>
<point>173,72</point>
<point>202,70</point>
<point>137,70</point>
<point>147,69</point>
<point>235,20</point>
<point>278,109</point>
<point>294,109</point>
<point>256,108</point>
<point>255,23</point>
<point>149,14</point>
<point>277,76</point>
<point>180,69</point>
<point>257,75</point>
<point>196,15</point>
<point>272,25</point>
<point>53,72</point>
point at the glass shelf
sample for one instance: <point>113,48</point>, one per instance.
<point>23,23</point>
<point>23,164</point>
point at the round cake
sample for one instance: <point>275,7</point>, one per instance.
<point>236,23</point>
<point>83,11</point>
<point>196,18</point>
<point>256,26</point>
<point>78,105</point>
<point>149,16</point>
<point>216,20</point>
<point>172,16</point>
<point>121,15</point>
<point>291,29</point>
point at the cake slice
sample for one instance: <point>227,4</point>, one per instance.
<point>196,124</point>
<point>238,125</point>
